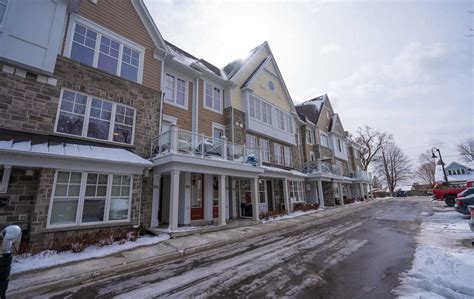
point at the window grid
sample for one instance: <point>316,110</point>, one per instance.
<point>213,98</point>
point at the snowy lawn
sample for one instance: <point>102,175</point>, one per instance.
<point>443,267</point>
<point>292,215</point>
<point>50,258</point>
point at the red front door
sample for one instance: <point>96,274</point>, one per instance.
<point>197,204</point>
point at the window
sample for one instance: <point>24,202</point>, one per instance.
<point>277,148</point>
<point>215,191</point>
<point>88,116</point>
<point>84,198</point>
<point>449,172</point>
<point>92,45</point>
<point>260,110</point>
<point>458,171</point>
<point>324,140</point>
<point>296,191</point>
<point>251,141</point>
<point>262,194</point>
<point>312,156</point>
<point>196,190</point>
<point>339,145</point>
<point>213,98</point>
<point>288,156</point>
<point>289,123</point>
<point>463,171</point>
<point>309,136</point>
<point>175,90</point>
<point>265,144</point>
<point>218,131</point>
<point>280,119</point>
<point>3,9</point>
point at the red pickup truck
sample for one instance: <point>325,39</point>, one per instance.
<point>448,193</point>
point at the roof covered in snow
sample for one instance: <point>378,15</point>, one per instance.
<point>467,176</point>
<point>233,67</point>
<point>283,171</point>
<point>310,110</point>
<point>192,61</point>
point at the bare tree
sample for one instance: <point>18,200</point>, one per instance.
<point>376,183</point>
<point>393,166</point>
<point>466,150</point>
<point>371,142</point>
<point>426,170</point>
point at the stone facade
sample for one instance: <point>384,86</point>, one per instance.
<point>238,136</point>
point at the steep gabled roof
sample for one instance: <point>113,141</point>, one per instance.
<point>192,61</point>
<point>334,120</point>
<point>312,108</point>
<point>233,67</point>
<point>252,75</point>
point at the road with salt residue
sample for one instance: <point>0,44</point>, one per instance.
<point>359,255</point>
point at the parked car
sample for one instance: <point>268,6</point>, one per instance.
<point>463,202</point>
<point>448,193</point>
<point>466,192</point>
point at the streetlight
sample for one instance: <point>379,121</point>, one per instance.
<point>433,155</point>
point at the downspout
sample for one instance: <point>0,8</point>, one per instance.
<point>162,93</point>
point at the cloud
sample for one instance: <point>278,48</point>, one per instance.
<point>330,49</point>
<point>422,95</point>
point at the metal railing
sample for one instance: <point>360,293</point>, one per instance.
<point>322,167</point>
<point>189,143</point>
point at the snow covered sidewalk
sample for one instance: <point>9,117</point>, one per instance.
<point>443,267</point>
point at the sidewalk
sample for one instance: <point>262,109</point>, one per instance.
<point>71,274</point>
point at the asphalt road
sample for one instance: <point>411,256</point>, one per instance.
<point>357,256</point>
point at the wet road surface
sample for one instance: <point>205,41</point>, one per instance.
<point>356,256</point>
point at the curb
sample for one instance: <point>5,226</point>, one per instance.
<point>84,278</point>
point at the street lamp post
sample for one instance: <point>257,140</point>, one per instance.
<point>433,155</point>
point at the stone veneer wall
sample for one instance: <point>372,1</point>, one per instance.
<point>239,125</point>
<point>39,237</point>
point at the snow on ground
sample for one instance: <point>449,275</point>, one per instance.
<point>442,267</point>
<point>292,215</point>
<point>50,258</point>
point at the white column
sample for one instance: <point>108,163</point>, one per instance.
<point>361,190</point>
<point>371,192</point>
<point>222,201</point>
<point>208,199</point>
<point>320,192</point>
<point>341,197</point>
<point>255,203</point>
<point>174,199</point>
<point>155,204</point>
<point>286,196</point>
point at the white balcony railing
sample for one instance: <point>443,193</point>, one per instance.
<point>199,145</point>
<point>322,167</point>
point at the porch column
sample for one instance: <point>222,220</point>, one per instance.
<point>320,192</point>
<point>155,204</point>
<point>371,193</point>
<point>222,205</point>
<point>255,207</point>
<point>286,196</point>
<point>341,197</point>
<point>174,199</point>
<point>361,190</point>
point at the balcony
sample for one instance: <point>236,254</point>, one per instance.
<point>182,142</point>
<point>322,167</point>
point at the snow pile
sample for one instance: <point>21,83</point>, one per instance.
<point>442,267</point>
<point>292,215</point>
<point>49,258</point>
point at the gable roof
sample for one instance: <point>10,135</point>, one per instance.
<point>149,24</point>
<point>254,73</point>
<point>312,108</point>
<point>192,61</point>
<point>233,67</point>
<point>334,120</point>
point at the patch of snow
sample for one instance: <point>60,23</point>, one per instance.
<point>49,258</point>
<point>292,215</point>
<point>276,169</point>
<point>442,267</point>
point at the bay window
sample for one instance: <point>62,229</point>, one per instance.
<point>88,116</point>
<point>213,98</point>
<point>259,109</point>
<point>89,198</point>
<point>98,47</point>
<point>175,90</point>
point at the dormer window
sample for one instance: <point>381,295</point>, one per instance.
<point>98,47</point>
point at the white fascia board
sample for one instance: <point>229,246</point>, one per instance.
<point>178,65</point>
<point>212,76</point>
<point>28,160</point>
<point>150,25</point>
<point>212,166</point>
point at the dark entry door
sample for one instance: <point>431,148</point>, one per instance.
<point>197,194</point>
<point>270,196</point>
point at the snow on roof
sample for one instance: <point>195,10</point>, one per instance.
<point>75,151</point>
<point>280,170</point>
<point>439,176</point>
<point>317,102</point>
<point>233,67</point>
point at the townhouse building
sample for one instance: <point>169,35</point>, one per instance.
<point>331,159</point>
<point>105,126</point>
<point>80,89</point>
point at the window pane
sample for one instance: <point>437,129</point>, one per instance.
<point>118,209</point>
<point>70,123</point>
<point>93,210</point>
<point>98,129</point>
<point>123,133</point>
<point>129,72</point>
<point>82,54</point>
<point>180,91</point>
<point>208,95</point>
<point>107,63</point>
<point>63,211</point>
<point>217,99</point>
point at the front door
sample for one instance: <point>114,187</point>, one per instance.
<point>215,197</point>
<point>271,204</point>
<point>197,204</point>
<point>245,198</point>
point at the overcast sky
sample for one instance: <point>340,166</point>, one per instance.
<point>404,67</point>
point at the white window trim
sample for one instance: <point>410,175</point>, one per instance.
<point>175,91</point>
<point>80,203</point>
<point>261,142</point>
<point>77,19</point>
<point>170,119</point>
<point>261,100</point>
<point>221,111</point>
<point>217,126</point>
<point>87,116</point>
<point>248,136</point>
<point>280,151</point>
<point>295,186</point>
<point>287,156</point>
<point>327,139</point>
<point>2,23</point>
<point>312,154</point>
<point>264,191</point>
